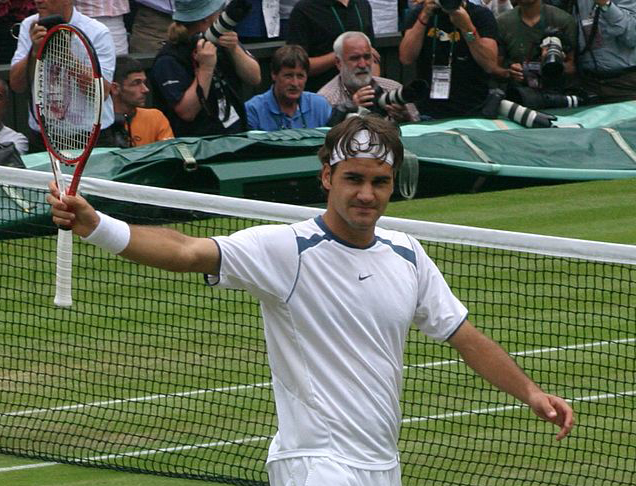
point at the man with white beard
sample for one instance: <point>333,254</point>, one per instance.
<point>356,84</point>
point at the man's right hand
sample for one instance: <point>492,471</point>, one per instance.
<point>37,34</point>
<point>72,212</point>
<point>516,72</point>
<point>365,96</point>
<point>205,54</point>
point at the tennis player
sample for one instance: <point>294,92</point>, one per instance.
<point>338,296</point>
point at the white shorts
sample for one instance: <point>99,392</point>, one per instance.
<point>322,471</point>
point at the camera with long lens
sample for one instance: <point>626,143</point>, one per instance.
<point>232,14</point>
<point>552,63</point>
<point>449,5</point>
<point>496,105</point>
<point>413,92</point>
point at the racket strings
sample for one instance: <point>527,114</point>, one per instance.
<point>69,94</point>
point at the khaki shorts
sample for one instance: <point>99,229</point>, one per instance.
<point>322,471</point>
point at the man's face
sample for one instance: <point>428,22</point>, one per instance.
<point>356,62</point>
<point>52,7</point>
<point>359,191</point>
<point>289,83</point>
<point>132,91</point>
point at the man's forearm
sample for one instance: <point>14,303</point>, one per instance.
<point>19,75</point>
<point>492,363</point>
<point>320,64</point>
<point>484,51</point>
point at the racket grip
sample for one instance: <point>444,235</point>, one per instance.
<point>64,268</point>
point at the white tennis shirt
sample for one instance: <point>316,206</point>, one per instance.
<point>336,319</point>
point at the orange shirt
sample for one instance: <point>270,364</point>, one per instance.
<point>149,125</point>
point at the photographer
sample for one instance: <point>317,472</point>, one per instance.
<point>607,48</point>
<point>195,80</point>
<point>356,84</point>
<point>454,44</point>
<point>537,44</point>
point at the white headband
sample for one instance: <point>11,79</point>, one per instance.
<point>362,148</point>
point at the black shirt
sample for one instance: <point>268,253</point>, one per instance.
<point>469,82</point>
<point>172,74</point>
<point>315,24</point>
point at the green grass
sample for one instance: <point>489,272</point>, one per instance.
<point>159,333</point>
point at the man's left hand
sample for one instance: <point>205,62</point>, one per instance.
<point>398,113</point>
<point>461,20</point>
<point>553,409</point>
<point>229,40</point>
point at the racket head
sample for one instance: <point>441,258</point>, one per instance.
<point>68,96</point>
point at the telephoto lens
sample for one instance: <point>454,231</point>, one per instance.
<point>234,12</point>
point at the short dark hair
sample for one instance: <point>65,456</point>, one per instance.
<point>124,66</point>
<point>382,131</point>
<point>290,56</point>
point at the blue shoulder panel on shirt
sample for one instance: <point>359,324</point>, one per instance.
<point>406,253</point>
<point>306,243</point>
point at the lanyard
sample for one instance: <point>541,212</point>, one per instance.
<point>342,27</point>
<point>281,119</point>
<point>452,41</point>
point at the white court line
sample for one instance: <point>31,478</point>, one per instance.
<point>147,452</point>
<point>160,396</point>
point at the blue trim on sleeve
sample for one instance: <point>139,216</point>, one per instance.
<point>406,253</point>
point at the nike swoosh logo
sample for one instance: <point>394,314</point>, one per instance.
<point>364,277</point>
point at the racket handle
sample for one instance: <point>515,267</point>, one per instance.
<point>64,267</point>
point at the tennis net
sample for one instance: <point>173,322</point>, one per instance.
<point>155,372</point>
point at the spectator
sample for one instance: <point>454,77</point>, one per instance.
<point>385,16</point>
<point>7,135</point>
<point>150,25</point>
<point>285,104</point>
<point>315,24</point>
<point>522,50</point>
<point>356,84</point>
<point>262,23</point>
<point>286,7</point>
<point>497,7</point>
<point>195,81</point>
<point>135,125</point>
<point>111,14</point>
<point>11,14</point>
<point>455,51</point>
<point>607,44</point>
<point>31,37</point>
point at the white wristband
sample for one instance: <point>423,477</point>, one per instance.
<point>111,234</point>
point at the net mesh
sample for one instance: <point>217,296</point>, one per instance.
<point>155,372</point>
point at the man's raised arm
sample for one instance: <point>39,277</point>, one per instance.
<point>154,246</point>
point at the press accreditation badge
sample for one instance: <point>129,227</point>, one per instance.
<point>233,116</point>
<point>440,83</point>
<point>586,25</point>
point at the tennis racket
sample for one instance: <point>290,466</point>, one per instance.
<point>68,98</point>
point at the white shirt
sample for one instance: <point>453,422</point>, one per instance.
<point>102,41</point>
<point>8,135</point>
<point>336,319</point>
<point>102,8</point>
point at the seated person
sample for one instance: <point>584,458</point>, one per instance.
<point>356,84</point>
<point>526,33</point>
<point>607,48</point>
<point>455,51</point>
<point>195,81</point>
<point>8,135</point>
<point>285,104</point>
<point>315,24</point>
<point>135,125</point>
<point>23,62</point>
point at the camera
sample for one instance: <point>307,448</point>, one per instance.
<point>415,91</point>
<point>496,105</point>
<point>552,62</point>
<point>232,14</point>
<point>449,5</point>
